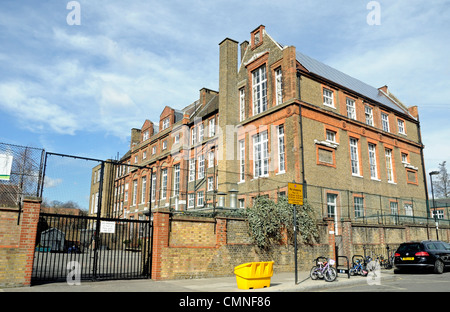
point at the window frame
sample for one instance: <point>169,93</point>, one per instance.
<point>261,149</point>
<point>259,90</point>
<point>326,97</point>
<point>368,115</point>
<point>281,149</point>
<point>354,161</point>
<point>351,109</point>
<point>385,122</point>
<point>373,164</point>
<point>278,86</point>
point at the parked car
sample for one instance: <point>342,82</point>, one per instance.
<point>424,254</point>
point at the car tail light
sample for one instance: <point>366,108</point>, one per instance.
<point>422,254</point>
<point>396,254</point>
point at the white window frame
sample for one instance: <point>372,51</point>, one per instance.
<point>373,161</point>
<point>281,150</point>
<point>330,136</point>
<point>143,189</point>
<point>164,183</point>
<point>385,121</point>
<point>176,180</point>
<point>166,123</point>
<point>153,197</point>
<point>200,198</point>
<point>211,183</point>
<point>351,109</point>
<point>328,97</point>
<point>401,126</point>
<point>201,166</point>
<point>212,127</point>
<point>259,87</point>
<point>279,86</point>
<point>241,160</point>
<point>211,159</point>
<point>354,157</point>
<point>241,104</point>
<point>358,203</point>
<point>408,209</point>
<point>201,132</point>
<point>191,200</point>
<point>389,167</point>
<point>368,111</point>
<point>260,155</point>
<point>191,169</point>
<point>146,135</point>
<point>134,201</point>
<point>193,135</point>
<point>164,144</point>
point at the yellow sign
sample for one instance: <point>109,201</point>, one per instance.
<point>295,194</point>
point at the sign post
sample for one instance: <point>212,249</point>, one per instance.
<point>295,197</point>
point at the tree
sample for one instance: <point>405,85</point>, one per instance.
<point>267,220</point>
<point>441,184</point>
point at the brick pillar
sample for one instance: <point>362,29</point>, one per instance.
<point>221,232</point>
<point>331,238</point>
<point>347,239</point>
<point>29,222</point>
<point>160,241</point>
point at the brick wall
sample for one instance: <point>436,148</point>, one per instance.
<point>197,247</point>
<point>17,243</point>
<point>194,247</point>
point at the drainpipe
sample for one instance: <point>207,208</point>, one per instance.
<point>302,154</point>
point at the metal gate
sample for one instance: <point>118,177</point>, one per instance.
<point>76,248</point>
<point>96,243</point>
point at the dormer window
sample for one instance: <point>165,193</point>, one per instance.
<point>257,37</point>
<point>165,123</point>
<point>145,136</point>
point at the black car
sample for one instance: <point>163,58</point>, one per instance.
<point>425,254</point>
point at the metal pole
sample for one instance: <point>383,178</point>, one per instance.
<point>295,242</point>
<point>434,206</point>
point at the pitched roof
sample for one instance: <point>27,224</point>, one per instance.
<point>344,80</point>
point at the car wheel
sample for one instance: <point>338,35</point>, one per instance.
<point>439,267</point>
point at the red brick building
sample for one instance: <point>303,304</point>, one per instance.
<point>279,116</point>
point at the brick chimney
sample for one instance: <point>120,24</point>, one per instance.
<point>229,114</point>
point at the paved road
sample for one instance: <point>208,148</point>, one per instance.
<point>405,282</point>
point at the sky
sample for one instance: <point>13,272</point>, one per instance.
<point>76,76</point>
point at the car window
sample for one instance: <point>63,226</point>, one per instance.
<point>409,248</point>
<point>431,246</point>
<point>439,246</point>
<point>447,246</point>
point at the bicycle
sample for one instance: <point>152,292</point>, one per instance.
<point>358,268</point>
<point>323,269</point>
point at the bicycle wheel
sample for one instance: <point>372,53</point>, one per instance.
<point>314,274</point>
<point>330,274</point>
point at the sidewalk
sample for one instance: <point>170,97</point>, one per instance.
<point>280,282</point>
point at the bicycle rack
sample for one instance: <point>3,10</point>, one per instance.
<point>343,270</point>
<point>357,256</point>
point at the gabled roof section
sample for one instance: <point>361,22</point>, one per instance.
<point>344,80</point>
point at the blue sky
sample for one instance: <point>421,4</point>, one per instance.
<point>79,89</point>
